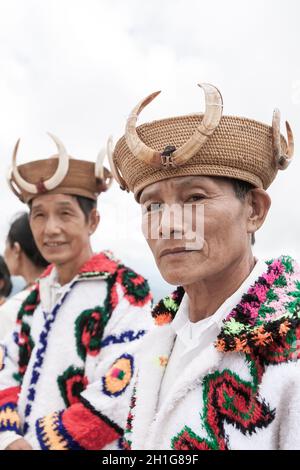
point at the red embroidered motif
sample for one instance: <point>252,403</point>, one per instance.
<point>227,398</point>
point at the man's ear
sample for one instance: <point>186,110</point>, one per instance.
<point>94,220</point>
<point>259,204</point>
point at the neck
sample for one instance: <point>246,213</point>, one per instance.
<point>30,272</point>
<point>67,271</point>
<point>207,295</point>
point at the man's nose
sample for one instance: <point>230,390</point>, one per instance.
<point>171,222</point>
<point>52,226</point>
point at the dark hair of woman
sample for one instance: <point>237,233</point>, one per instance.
<point>5,282</point>
<point>20,232</point>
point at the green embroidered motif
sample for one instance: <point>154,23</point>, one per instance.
<point>89,327</point>
<point>227,398</point>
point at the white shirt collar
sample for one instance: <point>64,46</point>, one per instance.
<point>51,291</point>
<point>188,331</point>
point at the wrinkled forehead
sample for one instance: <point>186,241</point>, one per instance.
<point>49,200</point>
<point>182,184</point>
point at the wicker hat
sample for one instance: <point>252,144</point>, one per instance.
<point>59,174</point>
<point>200,144</point>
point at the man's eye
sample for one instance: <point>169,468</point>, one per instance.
<point>155,206</point>
<point>38,214</point>
<point>196,197</point>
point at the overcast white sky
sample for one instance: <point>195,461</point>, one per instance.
<point>77,67</point>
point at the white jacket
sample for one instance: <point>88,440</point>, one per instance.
<point>243,392</point>
<point>67,372</point>
<point>9,311</point>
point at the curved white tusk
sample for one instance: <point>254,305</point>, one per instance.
<point>136,146</point>
<point>290,149</point>
<point>113,167</point>
<point>51,183</point>
<point>63,165</point>
<point>21,182</point>
<point>209,122</point>
<point>99,171</point>
<point>282,160</point>
<point>12,185</point>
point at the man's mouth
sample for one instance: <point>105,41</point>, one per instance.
<point>54,244</point>
<point>173,251</point>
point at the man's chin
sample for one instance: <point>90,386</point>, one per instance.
<point>178,278</point>
<point>56,260</point>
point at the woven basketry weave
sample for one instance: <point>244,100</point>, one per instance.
<point>239,148</point>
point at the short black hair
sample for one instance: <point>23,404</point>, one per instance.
<point>5,290</point>
<point>21,233</point>
<point>86,205</point>
<point>241,189</point>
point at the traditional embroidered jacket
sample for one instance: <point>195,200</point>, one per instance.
<point>243,392</point>
<point>66,374</point>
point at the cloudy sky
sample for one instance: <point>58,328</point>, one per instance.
<point>77,67</point>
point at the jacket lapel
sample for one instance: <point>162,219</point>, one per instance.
<point>157,348</point>
<point>191,378</point>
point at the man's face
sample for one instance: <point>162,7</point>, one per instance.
<point>204,206</point>
<point>59,228</point>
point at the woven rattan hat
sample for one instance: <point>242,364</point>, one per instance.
<point>200,144</point>
<point>59,174</point>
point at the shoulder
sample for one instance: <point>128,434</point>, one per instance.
<point>119,277</point>
<point>135,287</point>
<point>266,322</point>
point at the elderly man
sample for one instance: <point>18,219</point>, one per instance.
<point>221,370</point>
<point>66,372</point>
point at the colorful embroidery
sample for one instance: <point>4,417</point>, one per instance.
<point>188,440</point>
<point>282,338</point>
<point>9,418</point>
<point>38,363</point>
<point>163,361</point>
<point>112,298</point>
<point>26,345</point>
<point>135,287</point>
<point>71,384</point>
<point>78,427</point>
<point>265,326</point>
<point>126,442</point>
<point>268,314</point>
<point>98,264</point>
<point>90,331</point>
<point>227,398</point>
<point>119,376</point>
<point>89,328</point>
<point>125,337</point>
<point>23,339</point>
<point>29,304</point>
<point>165,311</point>
<point>102,264</point>
<point>52,435</point>
<point>2,357</point>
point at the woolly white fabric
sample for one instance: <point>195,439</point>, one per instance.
<point>239,392</point>
<point>81,365</point>
<point>9,310</point>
